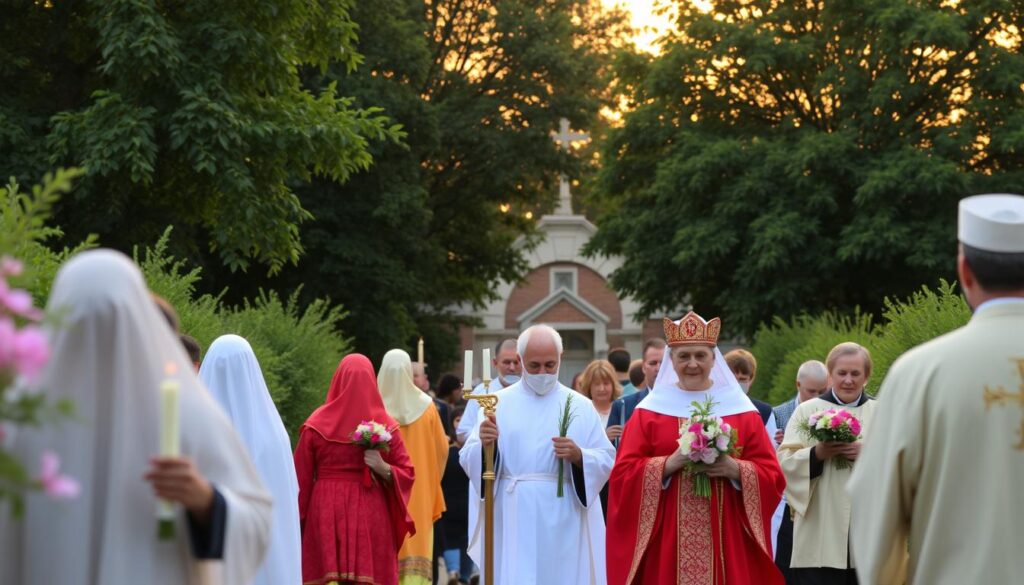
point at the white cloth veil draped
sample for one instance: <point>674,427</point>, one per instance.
<point>233,376</point>
<point>110,351</point>
<point>669,399</point>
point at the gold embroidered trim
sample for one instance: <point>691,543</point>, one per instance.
<point>650,496</point>
<point>415,566</point>
<point>334,577</point>
<point>695,562</point>
<point>720,493</point>
<point>752,503</point>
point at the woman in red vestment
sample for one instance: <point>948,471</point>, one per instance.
<point>351,532</point>
<point>664,534</point>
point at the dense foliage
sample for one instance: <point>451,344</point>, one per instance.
<point>478,87</point>
<point>298,346</point>
<point>784,157</point>
<point>186,113</point>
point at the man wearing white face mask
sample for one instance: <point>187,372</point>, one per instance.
<point>506,363</point>
<point>540,537</point>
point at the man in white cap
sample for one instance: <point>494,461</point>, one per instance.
<point>944,463</point>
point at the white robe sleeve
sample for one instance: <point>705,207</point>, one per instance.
<point>795,461</point>
<point>468,420</point>
<point>209,439</point>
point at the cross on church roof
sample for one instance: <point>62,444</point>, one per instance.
<point>565,138</point>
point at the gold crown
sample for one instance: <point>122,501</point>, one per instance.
<point>692,330</point>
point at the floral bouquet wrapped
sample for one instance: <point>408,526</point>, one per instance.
<point>703,439</point>
<point>834,424</point>
<point>371,435</point>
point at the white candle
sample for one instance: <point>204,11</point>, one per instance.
<point>419,351</point>
<point>170,446</point>
<point>467,376</point>
<point>485,369</point>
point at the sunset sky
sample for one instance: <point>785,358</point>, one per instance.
<point>648,24</point>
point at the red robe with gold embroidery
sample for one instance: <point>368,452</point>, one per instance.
<point>668,536</point>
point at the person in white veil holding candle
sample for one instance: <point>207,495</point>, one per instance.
<point>111,350</point>
<point>665,532</point>
<point>234,378</point>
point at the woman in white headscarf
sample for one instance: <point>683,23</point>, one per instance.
<point>235,380</point>
<point>111,350</point>
<point>427,444</point>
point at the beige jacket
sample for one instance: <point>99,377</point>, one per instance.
<point>821,508</point>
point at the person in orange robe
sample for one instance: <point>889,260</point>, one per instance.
<point>427,444</point>
<point>353,520</point>
<point>664,533</point>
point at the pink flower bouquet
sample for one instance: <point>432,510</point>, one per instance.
<point>833,425</point>
<point>703,439</point>
<point>371,435</point>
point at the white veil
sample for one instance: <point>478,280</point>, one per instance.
<point>111,348</point>
<point>233,376</point>
<point>669,399</point>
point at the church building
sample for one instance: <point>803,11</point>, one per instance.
<point>566,290</point>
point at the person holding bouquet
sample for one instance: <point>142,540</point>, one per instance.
<point>681,513</point>
<point>817,470</point>
<point>353,490</point>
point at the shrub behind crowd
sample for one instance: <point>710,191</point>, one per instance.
<point>298,347</point>
<point>782,346</point>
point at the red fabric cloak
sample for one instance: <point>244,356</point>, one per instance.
<point>668,536</point>
<point>351,532</point>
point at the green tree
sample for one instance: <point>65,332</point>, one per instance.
<point>190,113</point>
<point>478,87</point>
<point>783,157</point>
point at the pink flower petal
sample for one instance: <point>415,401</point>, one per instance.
<point>11,266</point>
<point>19,302</point>
<point>31,352</point>
<point>49,465</point>
<point>61,488</point>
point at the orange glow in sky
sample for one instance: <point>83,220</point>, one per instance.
<point>649,21</point>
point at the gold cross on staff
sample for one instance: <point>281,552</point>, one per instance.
<point>1001,396</point>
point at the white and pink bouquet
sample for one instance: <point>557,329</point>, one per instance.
<point>371,435</point>
<point>703,439</point>
<point>832,425</point>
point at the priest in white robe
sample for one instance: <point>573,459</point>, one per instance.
<point>943,466</point>
<point>539,537</point>
<point>111,349</point>
<point>232,374</point>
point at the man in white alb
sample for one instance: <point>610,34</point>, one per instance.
<point>541,538</point>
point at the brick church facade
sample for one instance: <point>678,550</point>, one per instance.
<point>571,293</point>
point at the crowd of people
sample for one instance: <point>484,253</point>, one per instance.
<point>609,481</point>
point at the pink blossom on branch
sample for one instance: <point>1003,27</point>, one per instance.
<point>18,302</point>
<point>31,352</point>
<point>54,484</point>
<point>10,266</point>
